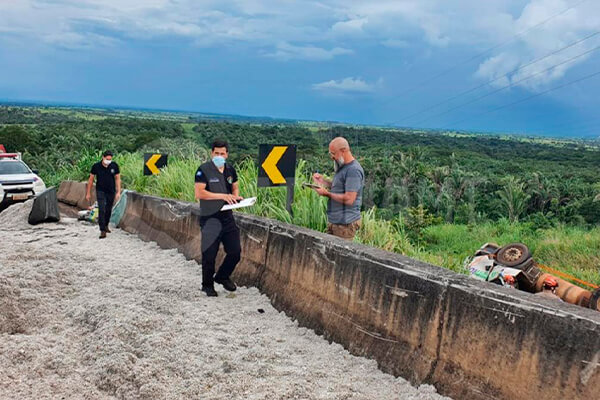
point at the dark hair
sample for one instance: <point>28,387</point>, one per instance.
<point>107,153</point>
<point>220,143</point>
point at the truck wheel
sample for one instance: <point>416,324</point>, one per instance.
<point>513,254</point>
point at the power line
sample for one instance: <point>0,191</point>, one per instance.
<point>431,107</point>
<point>492,48</point>
<point>513,84</point>
<point>525,99</point>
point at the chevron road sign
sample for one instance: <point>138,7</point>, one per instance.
<point>277,167</point>
<point>153,162</point>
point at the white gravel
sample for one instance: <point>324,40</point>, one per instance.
<point>83,318</point>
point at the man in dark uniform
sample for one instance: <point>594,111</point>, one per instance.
<point>216,185</point>
<point>108,189</point>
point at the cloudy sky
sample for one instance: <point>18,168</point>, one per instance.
<point>494,65</point>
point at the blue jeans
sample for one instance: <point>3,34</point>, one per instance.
<point>105,204</point>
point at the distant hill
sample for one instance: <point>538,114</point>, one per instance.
<point>22,112</point>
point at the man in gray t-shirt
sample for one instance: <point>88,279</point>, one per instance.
<point>345,194</point>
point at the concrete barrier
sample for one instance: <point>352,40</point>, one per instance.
<point>73,193</point>
<point>471,339</point>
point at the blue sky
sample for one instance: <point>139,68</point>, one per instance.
<point>368,62</point>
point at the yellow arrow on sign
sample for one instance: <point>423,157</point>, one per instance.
<point>151,163</point>
<point>270,164</point>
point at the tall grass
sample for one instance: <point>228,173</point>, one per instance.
<point>383,234</point>
<point>308,208</point>
<point>77,171</point>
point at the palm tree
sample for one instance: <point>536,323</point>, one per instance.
<point>409,170</point>
<point>542,191</point>
<point>513,198</point>
<point>437,176</point>
<point>454,187</point>
<point>424,193</point>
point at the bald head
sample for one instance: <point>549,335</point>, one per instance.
<point>339,143</point>
<point>339,148</point>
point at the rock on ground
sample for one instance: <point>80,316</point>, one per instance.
<point>83,318</point>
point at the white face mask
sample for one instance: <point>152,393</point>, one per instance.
<point>106,162</point>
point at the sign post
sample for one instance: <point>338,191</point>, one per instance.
<point>153,162</point>
<point>277,167</point>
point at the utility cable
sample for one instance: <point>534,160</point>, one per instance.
<point>513,84</point>
<point>436,105</point>
<point>425,82</point>
<point>526,98</point>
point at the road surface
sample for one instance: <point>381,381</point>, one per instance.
<point>83,318</point>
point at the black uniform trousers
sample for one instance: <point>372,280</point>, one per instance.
<point>105,205</point>
<point>217,230</point>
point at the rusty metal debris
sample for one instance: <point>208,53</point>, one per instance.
<point>513,265</point>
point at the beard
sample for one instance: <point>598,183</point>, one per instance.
<point>337,164</point>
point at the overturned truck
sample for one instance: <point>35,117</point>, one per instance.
<point>513,265</point>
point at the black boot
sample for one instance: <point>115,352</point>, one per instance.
<point>210,291</point>
<point>227,284</point>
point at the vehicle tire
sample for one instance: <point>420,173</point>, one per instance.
<point>513,254</point>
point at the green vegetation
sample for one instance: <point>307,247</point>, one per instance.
<point>433,196</point>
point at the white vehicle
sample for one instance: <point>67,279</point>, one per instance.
<point>17,181</point>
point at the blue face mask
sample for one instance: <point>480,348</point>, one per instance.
<point>218,161</point>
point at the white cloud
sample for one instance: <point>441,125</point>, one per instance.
<point>286,51</point>
<point>315,30</point>
<point>395,43</point>
<point>515,60</point>
<point>495,67</point>
<point>348,85</point>
<point>350,27</point>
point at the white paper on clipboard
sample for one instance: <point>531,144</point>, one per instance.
<point>244,203</point>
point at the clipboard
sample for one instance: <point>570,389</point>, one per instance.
<point>244,203</point>
<point>311,186</point>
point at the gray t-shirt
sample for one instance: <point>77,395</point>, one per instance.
<point>349,178</point>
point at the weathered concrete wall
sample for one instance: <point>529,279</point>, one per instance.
<point>471,339</point>
<point>73,194</point>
